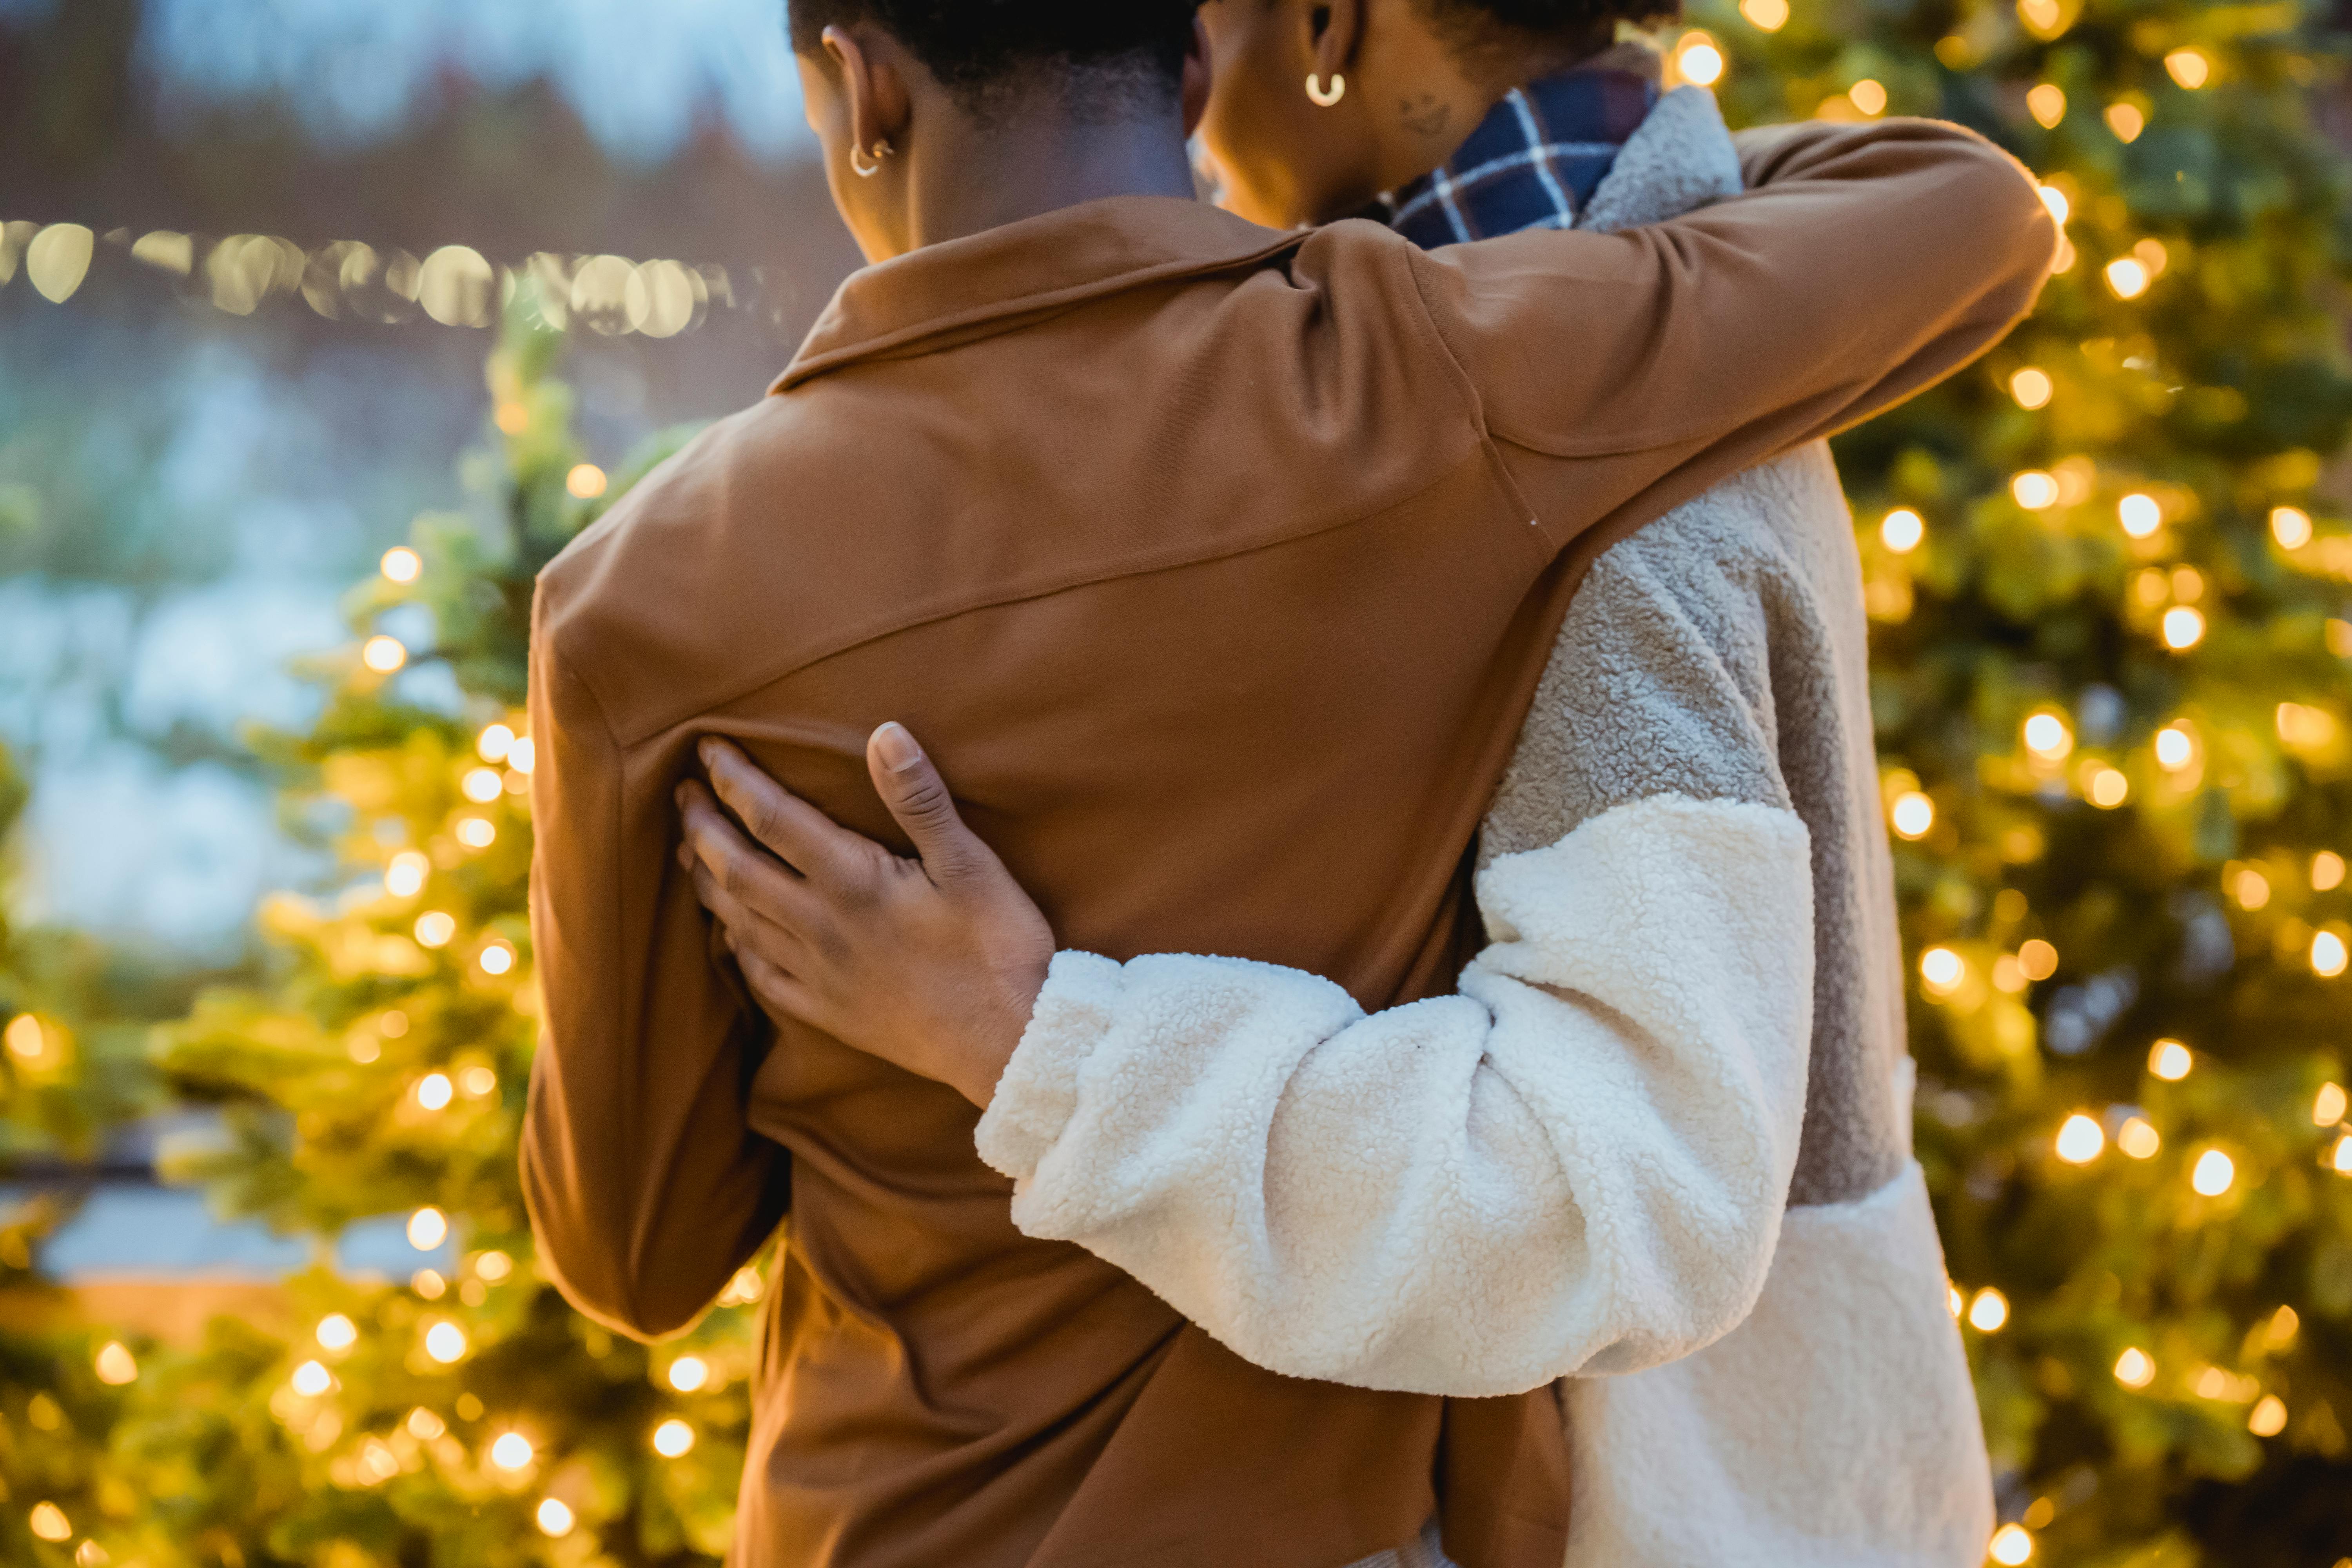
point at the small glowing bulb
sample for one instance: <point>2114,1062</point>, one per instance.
<point>586,482</point>
<point>2138,1138</point>
<point>494,742</point>
<point>445,1342</point>
<point>2327,1107</point>
<point>402,564</point>
<point>2213,1173</point>
<point>2047,737</point>
<point>689,1373</point>
<point>673,1438</point>
<point>1989,1312</point>
<point>511,1451</point>
<point>2032,387</point>
<point>496,958</point>
<point>404,878</point>
<point>25,1040</point>
<point>1941,971</point>
<point>115,1364</point>
<point>2010,1545</point>
<point>49,1522</point>
<point>2268,1418</point>
<point>2327,871</point>
<point>434,1091</point>
<point>2037,959</point>
<point>1701,62</point>
<point>493,1267</point>
<point>478,1081</point>
<point>2080,1140</point>
<point>2135,1368</point>
<point>476,833</point>
<point>482,786</point>
<point>1914,814</point>
<point>1953,1299</point>
<point>383,654</point>
<point>2282,1328</point>
<point>428,1283</point>
<point>2055,200</point>
<point>2251,888</point>
<point>312,1380</point>
<point>2125,122</point>
<point>2327,954</point>
<point>2173,748</point>
<point>428,1227</point>
<point>2184,628</point>
<point>337,1332</point>
<point>2139,515</point>
<point>2127,277</point>
<point>2108,789</point>
<point>554,1517</point>
<point>521,754</point>
<point>1767,15</point>
<point>2034,489</point>
<point>2047,103</point>
<point>2291,526</point>
<point>1901,529</point>
<point>2170,1060</point>
<point>2340,1161</point>
<point>435,928</point>
<point>1869,95</point>
<point>2188,67</point>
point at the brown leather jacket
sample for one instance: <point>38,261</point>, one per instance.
<point>1218,567</point>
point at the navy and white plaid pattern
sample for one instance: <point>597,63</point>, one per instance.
<point>1531,163</point>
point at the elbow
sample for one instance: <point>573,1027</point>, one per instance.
<point>590,1264</point>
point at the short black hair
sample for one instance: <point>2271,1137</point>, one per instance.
<point>986,52</point>
<point>1496,31</point>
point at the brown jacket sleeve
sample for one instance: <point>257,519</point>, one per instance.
<point>1866,263</point>
<point>647,1188</point>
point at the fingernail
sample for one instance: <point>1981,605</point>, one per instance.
<point>898,748</point>
<point>706,748</point>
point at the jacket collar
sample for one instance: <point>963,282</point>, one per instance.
<point>978,283</point>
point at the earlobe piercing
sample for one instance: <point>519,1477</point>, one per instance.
<point>1326,100</point>
<point>882,150</point>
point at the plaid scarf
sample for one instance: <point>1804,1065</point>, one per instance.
<point>1532,163</point>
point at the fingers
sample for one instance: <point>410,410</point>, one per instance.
<point>911,787</point>
<point>753,884</point>
<point>803,836</point>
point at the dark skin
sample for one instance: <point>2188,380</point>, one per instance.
<point>934,963</point>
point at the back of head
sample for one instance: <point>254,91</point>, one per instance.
<point>1502,37</point>
<point>992,53</point>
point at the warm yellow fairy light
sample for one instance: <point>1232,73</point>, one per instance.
<point>2339,1158</point>
<point>689,1373</point>
<point>434,1091</point>
<point>476,833</point>
<point>2047,103</point>
<point>2251,888</point>
<point>497,957</point>
<point>2174,749</point>
<point>428,1283</point>
<point>311,1379</point>
<point>1698,59</point>
<point>1869,95</point>
<point>428,1227</point>
<point>1913,814</point>
<point>554,1518</point>
<point>27,1041</point>
<point>1989,1312</point>
<point>2107,788</point>
<point>2126,121</point>
<point>2055,200</point>
<point>402,564</point>
<point>2040,17</point>
<point>2190,68</point>
<point>2291,526</point>
<point>478,1081</point>
<point>2213,1173</point>
<point>446,1342</point>
<point>1767,16</point>
<point>2037,959</point>
<point>114,1365</point>
<point>1941,971</point>
<point>2127,277</point>
<point>2327,954</point>
<point>2281,1331</point>
<point>2268,1417</point>
<point>1901,529</point>
<point>494,742</point>
<point>336,1332</point>
<point>2080,1140</point>
<point>511,1451</point>
<point>2032,387</point>
<point>48,1521</point>
<point>2010,1545</point>
<point>586,482</point>
<point>2138,1138</point>
<point>2135,1368</point>
<point>482,786</point>
<point>2140,514</point>
<point>2327,871</point>
<point>435,928</point>
<point>2327,1107</point>
<point>383,655</point>
<point>2046,735</point>
<point>2184,628</point>
<point>521,754</point>
<point>673,1439</point>
<point>404,878</point>
<point>1955,1298</point>
<point>2170,1060</point>
<point>2034,489</point>
<point>743,1290</point>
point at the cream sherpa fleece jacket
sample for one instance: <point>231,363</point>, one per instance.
<point>1658,1144</point>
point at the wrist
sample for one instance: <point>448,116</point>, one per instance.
<point>995,1041</point>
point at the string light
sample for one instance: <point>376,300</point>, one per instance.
<point>478,1082</point>
<point>1955,1299</point>
<point>586,482</point>
<point>1989,1312</point>
<point>2042,18</point>
<point>2341,1159</point>
<point>2327,1107</point>
<point>2140,514</point>
<point>494,742</point>
<point>336,1332</point>
<point>2032,387</point>
<point>477,832</point>
<point>404,878</point>
<point>511,1451</point>
<point>1912,815</point>
<point>2034,489</point>
<point>2126,121</point>
<point>114,1365</point>
<point>2080,1140</point>
<point>1869,95</point>
<point>2327,871</point>
<point>446,1342</point>
<point>554,1518</point>
<point>311,1379</point>
<point>742,1289</point>
<point>497,957</point>
<point>383,655</point>
<point>27,1041</point>
<point>2250,887</point>
<point>2268,1418</point>
<point>2188,67</point>
<point>2047,736</point>
<point>2213,1173</point>
<point>2047,103</point>
<point>2055,200</point>
<point>402,564</point>
<point>2291,526</point>
<point>2037,959</point>
<point>2170,1060</point>
<point>2106,787</point>
<point>428,1227</point>
<point>522,755</point>
<point>1766,16</point>
<point>2139,1139</point>
<point>48,1521</point>
<point>1941,971</point>
<point>689,1374</point>
<point>2010,1545</point>
<point>1698,59</point>
<point>435,928</point>
<point>2184,628</point>
<point>2281,1331</point>
<point>673,1439</point>
<point>428,1283</point>
<point>2327,954</point>
<point>2174,749</point>
<point>1901,529</point>
<point>482,786</point>
<point>2135,1368</point>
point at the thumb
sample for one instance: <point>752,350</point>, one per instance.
<point>917,797</point>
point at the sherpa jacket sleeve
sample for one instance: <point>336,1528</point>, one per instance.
<point>1578,1163</point>
<point>1865,263</point>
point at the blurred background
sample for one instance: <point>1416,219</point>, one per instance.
<point>325,323</point>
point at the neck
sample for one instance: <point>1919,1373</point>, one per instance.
<point>971,178</point>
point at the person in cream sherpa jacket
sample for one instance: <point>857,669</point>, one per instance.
<point>1658,1145</point>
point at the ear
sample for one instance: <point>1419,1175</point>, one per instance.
<point>1200,71</point>
<point>873,85</point>
<point>1335,32</point>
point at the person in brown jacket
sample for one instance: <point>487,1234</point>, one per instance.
<point>1224,563</point>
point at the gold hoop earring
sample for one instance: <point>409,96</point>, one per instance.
<point>882,150</point>
<point>1321,98</point>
